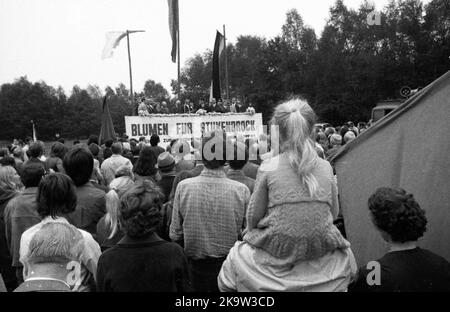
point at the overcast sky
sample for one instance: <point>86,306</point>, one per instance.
<point>61,42</point>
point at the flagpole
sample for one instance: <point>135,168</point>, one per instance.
<point>131,75</point>
<point>179,60</point>
<point>226,63</point>
<point>133,108</point>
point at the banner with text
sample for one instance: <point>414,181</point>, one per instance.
<point>170,127</point>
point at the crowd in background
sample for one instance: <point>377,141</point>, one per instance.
<point>234,105</point>
<point>129,215</point>
<point>330,139</point>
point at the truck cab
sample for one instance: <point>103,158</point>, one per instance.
<point>384,108</point>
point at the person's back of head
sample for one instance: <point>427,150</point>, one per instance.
<point>154,140</point>
<point>93,139</point>
<point>295,120</point>
<point>8,180</point>
<point>28,140</point>
<point>32,174</point>
<point>94,149</point>
<point>112,203</point>
<point>146,162</point>
<point>135,149</point>
<point>335,140</point>
<point>18,153</point>
<point>107,153</point>
<point>4,152</point>
<point>58,150</point>
<point>36,149</point>
<point>344,130</point>
<point>57,243</point>
<point>349,136</point>
<point>397,214</point>
<point>240,156</point>
<point>79,164</point>
<point>124,171</point>
<point>214,149</point>
<point>329,131</point>
<point>140,209</point>
<point>118,187</point>
<point>109,143</point>
<point>56,196</point>
<point>8,161</point>
<point>321,137</point>
<point>117,148</point>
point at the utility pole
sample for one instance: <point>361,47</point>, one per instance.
<point>226,63</point>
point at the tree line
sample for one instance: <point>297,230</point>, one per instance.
<point>343,72</point>
<point>52,111</point>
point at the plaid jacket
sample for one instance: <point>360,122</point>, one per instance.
<point>208,214</point>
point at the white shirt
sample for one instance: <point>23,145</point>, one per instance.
<point>249,269</point>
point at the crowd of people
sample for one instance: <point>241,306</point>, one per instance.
<point>330,139</point>
<point>132,216</point>
<point>147,107</point>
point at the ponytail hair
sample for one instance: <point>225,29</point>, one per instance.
<point>112,212</point>
<point>295,120</point>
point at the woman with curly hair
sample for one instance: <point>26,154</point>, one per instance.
<point>142,261</point>
<point>406,267</point>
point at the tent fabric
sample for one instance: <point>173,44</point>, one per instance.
<point>107,129</point>
<point>409,148</point>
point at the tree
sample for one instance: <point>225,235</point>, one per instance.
<point>342,74</point>
<point>437,25</point>
<point>195,77</point>
<point>155,91</point>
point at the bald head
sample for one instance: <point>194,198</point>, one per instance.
<point>116,148</point>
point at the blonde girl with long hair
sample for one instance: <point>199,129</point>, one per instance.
<point>292,209</point>
<point>108,230</point>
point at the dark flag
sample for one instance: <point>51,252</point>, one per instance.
<point>107,130</point>
<point>219,45</point>
<point>173,26</point>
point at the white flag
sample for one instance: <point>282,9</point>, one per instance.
<point>34,132</point>
<point>112,41</point>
